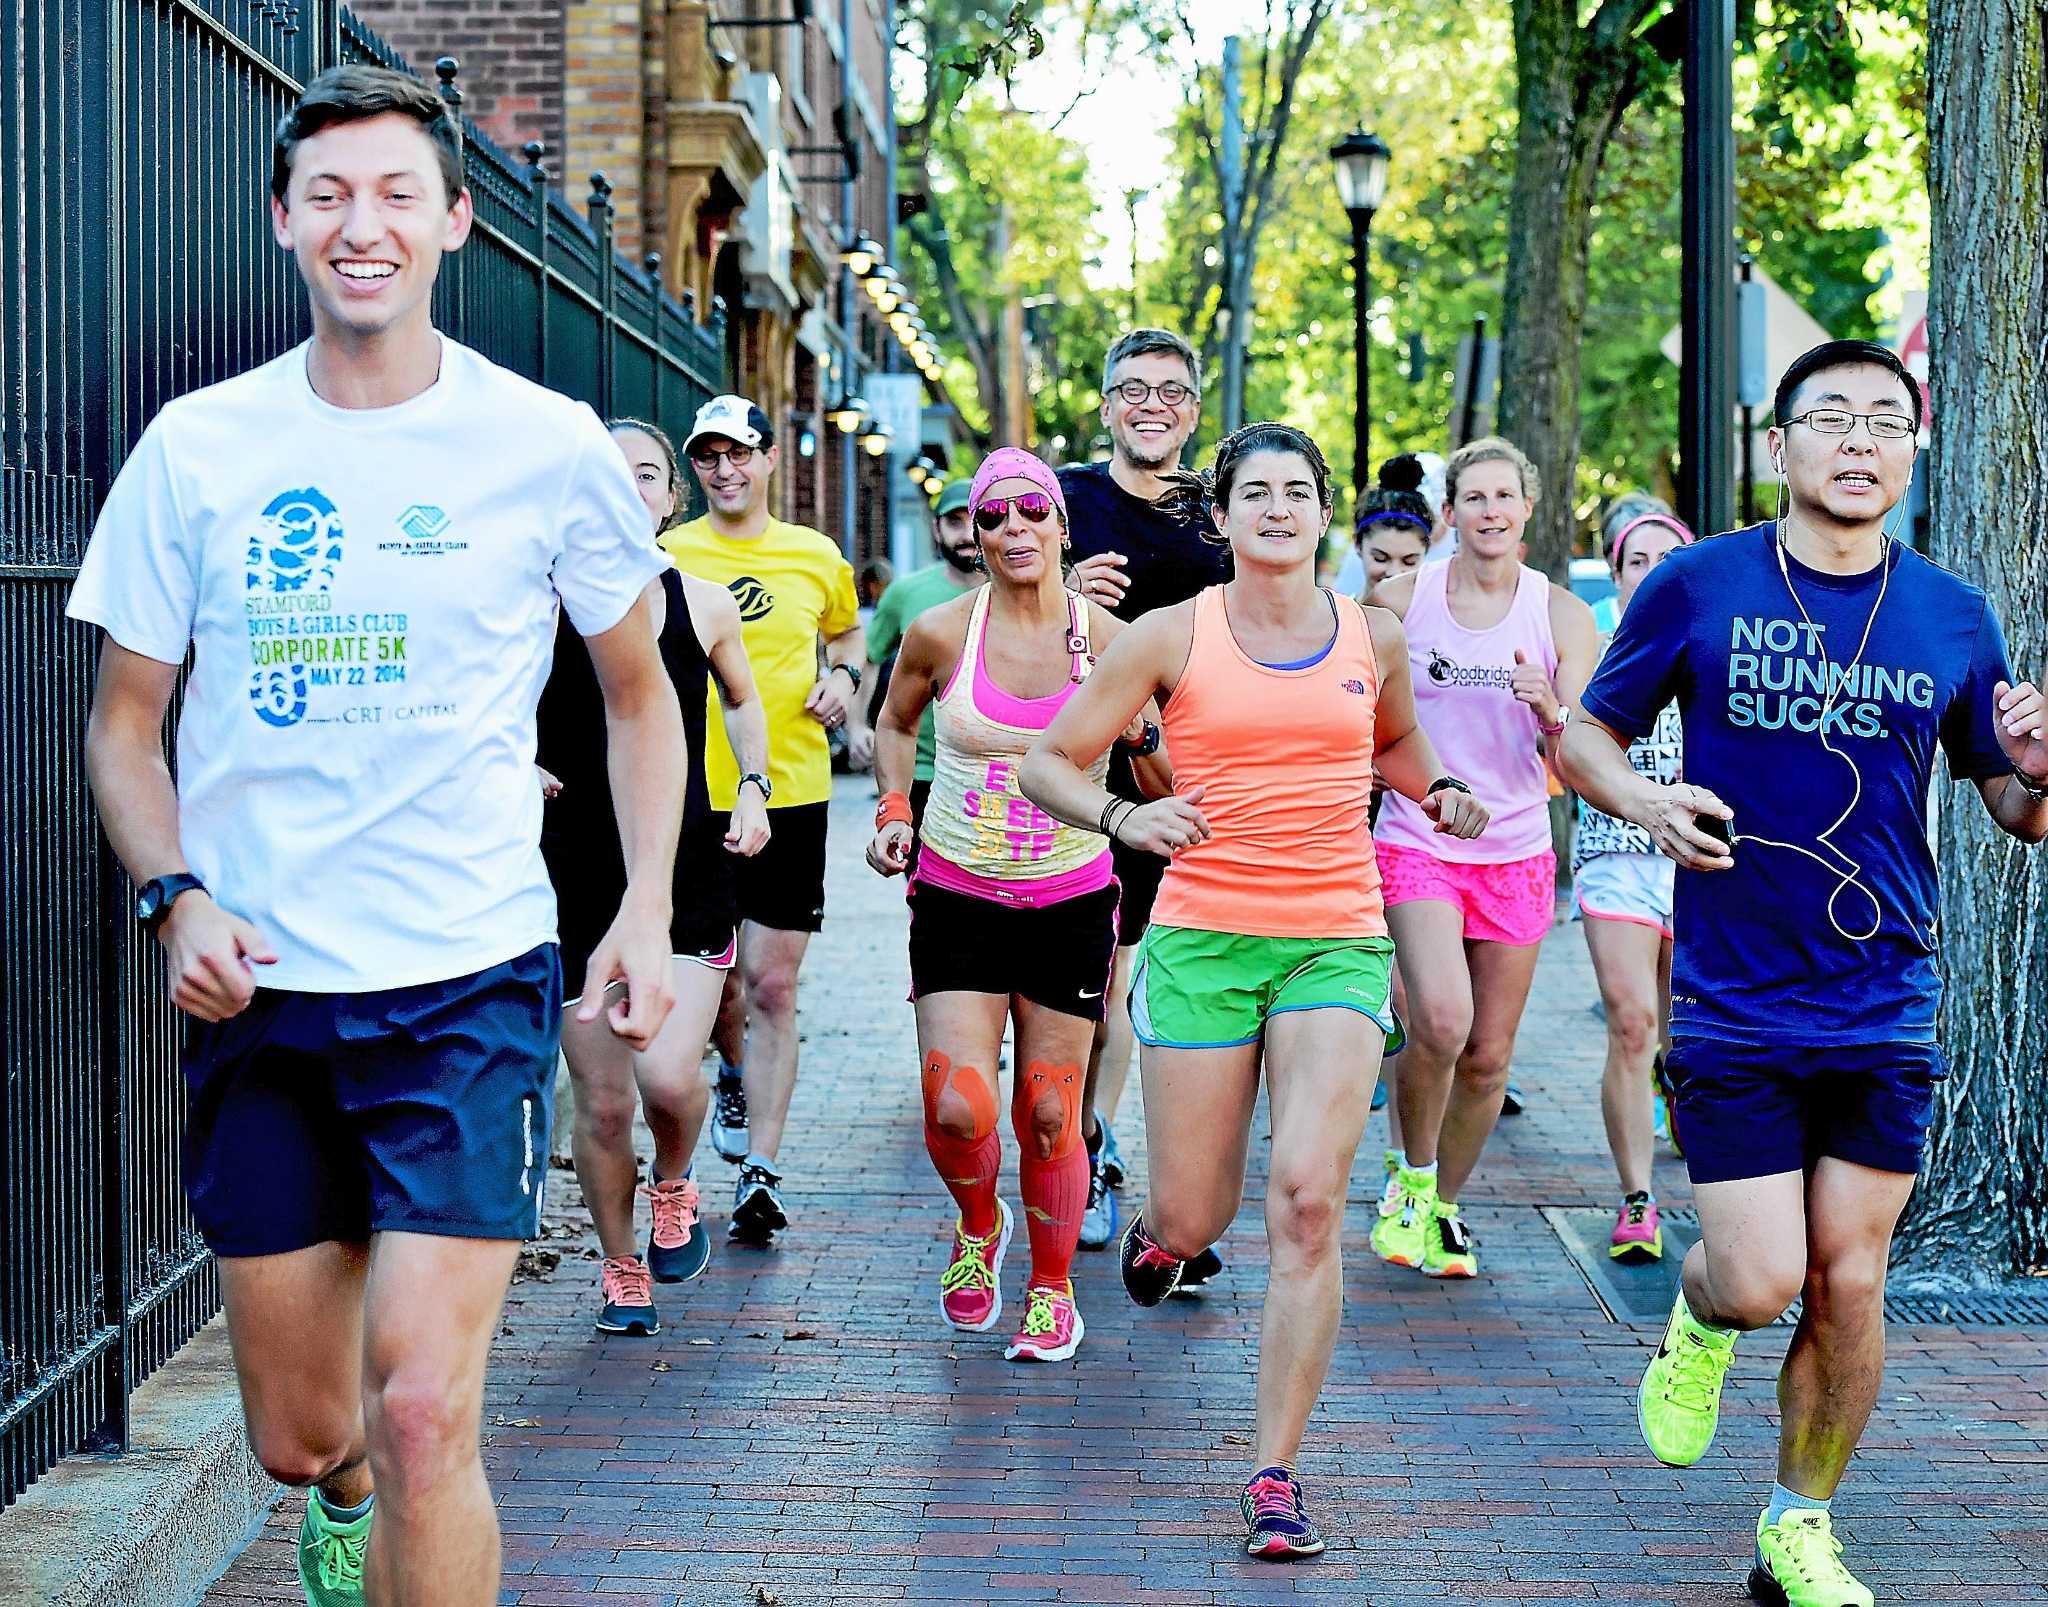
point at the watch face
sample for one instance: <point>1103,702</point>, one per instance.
<point>147,904</point>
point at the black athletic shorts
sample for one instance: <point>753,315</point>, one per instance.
<point>783,886</point>
<point>1057,955</point>
<point>318,1116</point>
<point>1139,873</point>
<point>1747,1110</point>
<point>704,907</point>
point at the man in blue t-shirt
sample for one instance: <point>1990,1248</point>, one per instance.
<point>1817,664</point>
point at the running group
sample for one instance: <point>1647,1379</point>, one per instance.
<point>1153,790</point>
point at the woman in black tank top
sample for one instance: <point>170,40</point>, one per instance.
<point>699,638</point>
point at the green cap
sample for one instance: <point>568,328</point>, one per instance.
<point>957,495</point>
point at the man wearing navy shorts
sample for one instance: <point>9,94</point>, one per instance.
<point>1817,665</point>
<point>363,544</point>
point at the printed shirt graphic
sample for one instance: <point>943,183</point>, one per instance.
<point>1758,958</point>
<point>1660,756</point>
<point>792,586</point>
<point>370,597</point>
<point>905,599</point>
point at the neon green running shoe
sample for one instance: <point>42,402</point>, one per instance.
<point>1801,1565</point>
<point>1679,1404</point>
<point>331,1556</point>
<point>1406,1217</point>
<point>1447,1245</point>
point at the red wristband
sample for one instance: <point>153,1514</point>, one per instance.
<point>893,807</point>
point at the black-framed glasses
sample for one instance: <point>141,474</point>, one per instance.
<point>738,456</point>
<point>1839,421</point>
<point>1135,393</point>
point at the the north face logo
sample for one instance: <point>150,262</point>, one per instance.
<point>1355,688</point>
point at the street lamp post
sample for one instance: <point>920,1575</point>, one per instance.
<point>1361,161</point>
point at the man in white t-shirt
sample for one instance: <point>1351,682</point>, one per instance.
<point>363,544</point>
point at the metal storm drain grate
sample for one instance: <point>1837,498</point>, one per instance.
<point>1641,1293</point>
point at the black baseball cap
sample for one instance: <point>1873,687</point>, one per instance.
<point>1843,354</point>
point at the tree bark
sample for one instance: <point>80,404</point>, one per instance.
<point>1981,1210</point>
<point>1573,84</point>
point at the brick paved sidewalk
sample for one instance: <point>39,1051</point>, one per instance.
<point>805,1431</point>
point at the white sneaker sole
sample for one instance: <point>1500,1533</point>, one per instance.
<point>995,1311</point>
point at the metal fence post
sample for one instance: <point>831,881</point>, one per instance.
<point>659,302</point>
<point>445,69</point>
<point>601,216</point>
<point>537,177</point>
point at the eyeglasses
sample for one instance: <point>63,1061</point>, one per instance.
<point>993,514</point>
<point>1135,392</point>
<point>738,456</point>
<point>1834,421</point>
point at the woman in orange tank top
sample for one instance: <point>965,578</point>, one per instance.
<point>1268,940</point>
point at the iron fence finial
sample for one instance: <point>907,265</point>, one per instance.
<point>445,69</point>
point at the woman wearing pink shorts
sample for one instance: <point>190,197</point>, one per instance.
<point>1498,653</point>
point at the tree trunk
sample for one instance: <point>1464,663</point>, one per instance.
<point>1982,1206</point>
<point>1571,90</point>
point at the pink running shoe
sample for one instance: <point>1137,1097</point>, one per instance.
<point>971,1292</point>
<point>1638,1234</point>
<point>1052,1325</point>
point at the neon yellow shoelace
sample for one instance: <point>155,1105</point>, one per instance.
<point>1039,1315</point>
<point>969,1270</point>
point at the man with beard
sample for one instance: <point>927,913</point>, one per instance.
<point>958,571</point>
<point>1132,557</point>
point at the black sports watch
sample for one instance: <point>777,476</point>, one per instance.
<point>767,787</point>
<point>852,673</point>
<point>153,903</point>
<point>1451,782</point>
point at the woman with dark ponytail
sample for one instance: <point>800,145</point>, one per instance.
<point>1268,942</point>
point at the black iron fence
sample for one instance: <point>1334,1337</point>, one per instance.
<point>135,264</point>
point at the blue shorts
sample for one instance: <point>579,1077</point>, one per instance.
<point>1747,1110</point>
<point>318,1116</point>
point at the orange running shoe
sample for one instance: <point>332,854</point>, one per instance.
<point>679,1247</point>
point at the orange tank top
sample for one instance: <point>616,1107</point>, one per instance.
<point>1285,758</point>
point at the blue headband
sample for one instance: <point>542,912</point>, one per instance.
<point>1390,516</point>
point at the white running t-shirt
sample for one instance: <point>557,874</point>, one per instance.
<point>370,595</point>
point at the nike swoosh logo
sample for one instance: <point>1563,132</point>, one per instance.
<point>1095,995</point>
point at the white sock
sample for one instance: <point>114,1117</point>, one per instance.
<point>1782,1502</point>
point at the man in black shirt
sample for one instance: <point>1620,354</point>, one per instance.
<point>1132,557</point>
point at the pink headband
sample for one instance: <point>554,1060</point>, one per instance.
<point>1669,521</point>
<point>1014,463</point>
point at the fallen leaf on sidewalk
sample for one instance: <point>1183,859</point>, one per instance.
<point>800,1333</point>
<point>1237,1439</point>
<point>764,1597</point>
<point>662,1367</point>
<point>502,1421</point>
<point>701,1341</point>
<point>535,1261</point>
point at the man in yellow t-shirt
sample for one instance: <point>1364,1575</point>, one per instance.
<point>795,590</point>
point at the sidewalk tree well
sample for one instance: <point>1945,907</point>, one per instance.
<point>1981,1209</point>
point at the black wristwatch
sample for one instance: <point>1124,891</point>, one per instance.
<point>153,903</point>
<point>1147,744</point>
<point>1451,782</point>
<point>2038,794</point>
<point>767,787</point>
<point>852,674</point>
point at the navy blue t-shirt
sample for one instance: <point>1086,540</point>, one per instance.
<point>1824,932</point>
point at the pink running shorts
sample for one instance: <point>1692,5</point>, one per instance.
<point>1511,903</point>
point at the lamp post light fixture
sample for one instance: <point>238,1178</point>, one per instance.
<point>875,441</point>
<point>919,470</point>
<point>847,414</point>
<point>860,256</point>
<point>876,280</point>
<point>891,296</point>
<point>1361,161</point>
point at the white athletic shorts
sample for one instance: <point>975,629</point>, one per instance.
<point>1627,887</point>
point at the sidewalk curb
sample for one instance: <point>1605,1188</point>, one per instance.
<point>156,1525</point>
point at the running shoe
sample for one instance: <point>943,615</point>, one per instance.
<point>1196,1272</point>
<point>1406,1212</point>
<point>680,1246</point>
<point>1638,1231</point>
<point>331,1556</point>
<point>971,1289</point>
<point>1098,1222</point>
<point>1447,1251</point>
<point>1052,1327</point>
<point>1512,1100</point>
<point>1799,1564</point>
<point>1150,1274</point>
<point>628,1298</point>
<point>1276,1527</point>
<point>729,1118</point>
<point>1390,1190</point>
<point>1112,1157</point>
<point>1678,1405</point>
<point>757,1214</point>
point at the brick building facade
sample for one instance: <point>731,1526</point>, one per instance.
<point>728,148</point>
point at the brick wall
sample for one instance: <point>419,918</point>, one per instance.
<point>511,55</point>
<point>602,90</point>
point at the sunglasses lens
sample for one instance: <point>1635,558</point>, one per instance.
<point>990,515</point>
<point>1035,506</point>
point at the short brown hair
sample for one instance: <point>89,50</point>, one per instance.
<point>354,93</point>
<point>1491,449</point>
<point>1151,343</point>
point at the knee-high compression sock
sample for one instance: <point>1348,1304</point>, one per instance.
<point>967,1166</point>
<point>1055,1185</point>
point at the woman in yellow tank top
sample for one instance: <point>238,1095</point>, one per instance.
<point>1268,940</point>
<point>1012,913</point>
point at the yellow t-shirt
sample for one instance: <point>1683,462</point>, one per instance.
<point>793,586</point>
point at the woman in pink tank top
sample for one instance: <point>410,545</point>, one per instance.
<point>1498,654</point>
<point>1267,943</point>
<point>1012,913</point>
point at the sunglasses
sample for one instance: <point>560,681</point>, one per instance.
<point>993,514</point>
